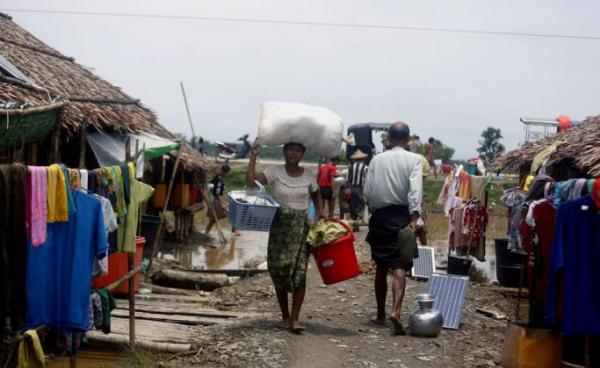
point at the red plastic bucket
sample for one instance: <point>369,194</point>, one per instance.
<point>337,260</point>
<point>118,267</point>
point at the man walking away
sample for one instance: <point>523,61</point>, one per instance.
<point>355,179</point>
<point>326,174</point>
<point>394,192</point>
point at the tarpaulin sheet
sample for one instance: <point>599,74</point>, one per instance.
<point>32,128</point>
<point>109,149</point>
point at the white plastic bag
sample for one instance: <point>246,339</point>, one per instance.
<point>317,128</point>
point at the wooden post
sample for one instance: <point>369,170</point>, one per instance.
<point>159,231</point>
<point>82,145</point>
<point>130,261</point>
<point>55,144</point>
<point>130,267</point>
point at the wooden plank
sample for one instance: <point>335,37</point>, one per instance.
<point>157,331</point>
<point>240,273</point>
<point>97,337</point>
<point>170,318</point>
<point>174,298</point>
<point>167,290</point>
<point>184,311</point>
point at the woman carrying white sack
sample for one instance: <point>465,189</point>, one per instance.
<point>292,186</point>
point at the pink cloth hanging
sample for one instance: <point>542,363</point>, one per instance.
<point>36,204</point>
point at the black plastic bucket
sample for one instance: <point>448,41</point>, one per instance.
<point>509,276</point>
<point>508,264</point>
<point>458,265</point>
<point>504,256</point>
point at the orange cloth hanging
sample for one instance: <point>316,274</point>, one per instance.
<point>464,185</point>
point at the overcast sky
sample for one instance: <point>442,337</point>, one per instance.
<point>447,85</point>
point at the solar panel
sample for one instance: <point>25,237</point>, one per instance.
<point>424,266</point>
<point>12,71</point>
<point>450,292</point>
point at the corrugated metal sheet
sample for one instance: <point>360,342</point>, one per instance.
<point>424,266</point>
<point>450,292</point>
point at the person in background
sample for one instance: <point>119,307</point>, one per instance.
<point>200,145</point>
<point>394,192</point>
<point>430,155</point>
<point>217,189</point>
<point>327,172</point>
<point>292,186</point>
<point>355,180</point>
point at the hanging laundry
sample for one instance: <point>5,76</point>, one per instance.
<point>13,237</point>
<point>36,204</point>
<point>108,304</point>
<point>575,259</point>
<point>595,192</point>
<point>31,354</point>
<point>140,193</point>
<point>119,189</point>
<point>74,179</point>
<point>96,314</point>
<point>478,188</point>
<point>125,174</point>
<point>537,232</point>
<point>563,190</point>
<point>83,174</point>
<point>70,341</point>
<point>475,220</point>
<point>57,195</point>
<point>110,222</point>
<point>538,187</point>
<point>464,186</point>
<point>53,298</point>
<point>70,204</point>
<point>92,185</point>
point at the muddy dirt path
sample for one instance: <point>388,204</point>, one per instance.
<point>339,334</point>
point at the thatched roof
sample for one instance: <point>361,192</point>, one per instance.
<point>582,149</point>
<point>89,99</point>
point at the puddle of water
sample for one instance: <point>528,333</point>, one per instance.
<point>247,250</point>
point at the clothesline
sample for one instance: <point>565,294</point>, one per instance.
<point>463,197</point>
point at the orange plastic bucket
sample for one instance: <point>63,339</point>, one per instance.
<point>337,261</point>
<point>118,267</point>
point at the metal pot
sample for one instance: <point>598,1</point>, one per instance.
<point>426,321</point>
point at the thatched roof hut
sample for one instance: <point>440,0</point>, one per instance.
<point>87,100</point>
<point>581,150</point>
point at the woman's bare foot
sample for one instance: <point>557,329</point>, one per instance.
<point>297,328</point>
<point>398,329</point>
<point>284,324</point>
<point>377,321</point>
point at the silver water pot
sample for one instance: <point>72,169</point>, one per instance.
<point>426,321</point>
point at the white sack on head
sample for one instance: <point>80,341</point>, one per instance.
<point>317,128</point>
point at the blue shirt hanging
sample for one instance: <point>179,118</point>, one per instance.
<point>576,256</point>
<point>59,272</point>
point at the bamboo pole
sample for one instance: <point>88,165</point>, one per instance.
<point>211,208</point>
<point>187,109</point>
<point>159,231</point>
<point>82,145</point>
<point>130,267</point>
